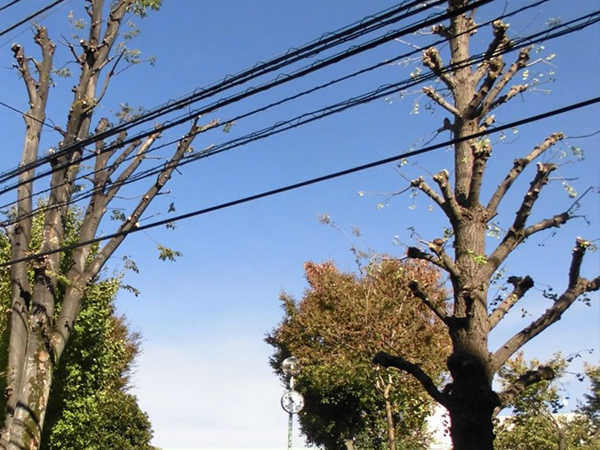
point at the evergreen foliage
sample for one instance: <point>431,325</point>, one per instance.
<point>538,420</point>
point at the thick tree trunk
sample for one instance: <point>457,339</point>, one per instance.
<point>21,291</point>
<point>26,429</point>
<point>471,429</point>
<point>472,401</point>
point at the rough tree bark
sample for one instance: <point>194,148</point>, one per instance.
<point>38,336</point>
<point>475,93</point>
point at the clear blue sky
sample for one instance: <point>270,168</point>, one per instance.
<point>204,377</point>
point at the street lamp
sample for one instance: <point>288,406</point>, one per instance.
<point>291,401</point>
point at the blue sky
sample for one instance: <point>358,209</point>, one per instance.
<point>203,376</point>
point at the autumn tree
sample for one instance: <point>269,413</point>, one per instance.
<point>538,420</point>
<point>471,95</point>
<point>335,328</point>
<point>40,328</point>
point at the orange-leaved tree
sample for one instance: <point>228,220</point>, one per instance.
<point>342,319</point>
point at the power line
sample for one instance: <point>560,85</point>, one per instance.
<point>8,5</point>
<point>281,126</point>
<point>312,116</point>
<point>327,41</point>
<point>14,36</point>
<point>31,16</point>
<point>312,181</point>
<point>233,98</point>
<point>249,74</point>
<point>18,111</point>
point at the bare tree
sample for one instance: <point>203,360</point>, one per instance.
<point>474,94</point>
<point>40,328</point>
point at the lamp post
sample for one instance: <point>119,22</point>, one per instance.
<point>291,401</point>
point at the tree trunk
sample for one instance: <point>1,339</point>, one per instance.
<point>389,418</point>
<point>26,429</point>
<point>472,400</point>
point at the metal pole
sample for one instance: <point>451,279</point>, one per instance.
<point>290,430</point>
<point>291,417</point>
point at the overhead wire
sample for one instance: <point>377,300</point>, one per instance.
<point>24,114</point>
<point>382,91</point>
<point>312,116</point>
<point>9,4</point>
<point>260,69</point>
<point>31,16</point>
<point>305,118</point>
<point>45,16</point>
<point>311,181</point>
<point>231,99</point>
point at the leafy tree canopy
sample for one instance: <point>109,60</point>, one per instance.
<point>538,421</point>
<point>335,329</point>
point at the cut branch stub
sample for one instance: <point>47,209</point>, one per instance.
<point>579,250</point>
<point>521,286</point>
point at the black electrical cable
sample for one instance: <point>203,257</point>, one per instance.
<point>9,4</point>
<point>314,115</point>
<point>239,79</point>
<point>305,118</point>
<point>12,108</point>
<point>312,181</point>
<point>31,16</point>
<point>236,97</point>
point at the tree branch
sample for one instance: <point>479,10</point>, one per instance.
<point>523,382</point>
<point>81,275</point>
<point>491,99</point>
<point>129,170</point>
<point>447,201</point>
<point>512,92</point>
<point>422,295</point>
<point>521,286</point>
<point>481,153</point>
<point>109,75</point>
<point>145,201</point>
<point>430,92</point>
<point>577,287</point>
<point>433,61</point>
<point>385,360</point>
<point>517,233</point>
<point>124,154</point>
<point>420,184</point>
<point>490,62</point>
<point>518,167</point>
<point>453,208</point>
<point>554,221</point>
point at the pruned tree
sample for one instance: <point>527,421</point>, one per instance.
<point>334,330</point>
<point>471,95</point>
<point>39,330</point>
<point>91,382</point>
